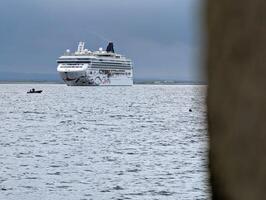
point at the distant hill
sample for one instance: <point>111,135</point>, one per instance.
<point>15,76</point>
<point>158,81</point>
<point>55,78</point>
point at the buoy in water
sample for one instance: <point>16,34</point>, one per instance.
<point>190,110</point>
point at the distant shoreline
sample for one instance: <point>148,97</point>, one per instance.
<point>30,82</point>
<point>135,83</point>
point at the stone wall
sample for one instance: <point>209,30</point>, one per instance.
<point>237,98</point>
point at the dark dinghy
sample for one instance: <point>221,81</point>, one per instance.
<point>32,91</point>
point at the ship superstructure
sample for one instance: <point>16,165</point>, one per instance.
<point>98,68</point>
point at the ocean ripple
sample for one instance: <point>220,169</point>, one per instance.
<point>139,142</point>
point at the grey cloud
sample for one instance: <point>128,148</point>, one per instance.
<point>36,32</point>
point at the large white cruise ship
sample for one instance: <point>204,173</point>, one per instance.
<point>98,68</point>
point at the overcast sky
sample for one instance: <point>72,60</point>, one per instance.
<point>162,37</point>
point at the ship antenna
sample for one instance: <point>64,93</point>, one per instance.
<point>81,46</point>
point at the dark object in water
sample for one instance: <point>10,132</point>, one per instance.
<point>190,110</point>
<point>34,91</point>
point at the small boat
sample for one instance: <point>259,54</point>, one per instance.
<point>34,91</point>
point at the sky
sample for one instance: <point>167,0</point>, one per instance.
<point>164,38</point>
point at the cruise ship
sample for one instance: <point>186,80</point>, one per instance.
<point>95,68</point>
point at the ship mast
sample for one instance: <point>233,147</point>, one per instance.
<point>81,47</point>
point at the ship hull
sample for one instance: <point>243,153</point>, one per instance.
<point>83,78</point>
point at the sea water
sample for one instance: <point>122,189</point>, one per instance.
<point>139,142</point>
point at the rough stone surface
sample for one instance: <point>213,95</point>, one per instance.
<point>237,98</point>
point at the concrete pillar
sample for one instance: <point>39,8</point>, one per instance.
<point>237,98</point>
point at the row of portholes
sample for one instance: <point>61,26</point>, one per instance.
<point>110,72</point>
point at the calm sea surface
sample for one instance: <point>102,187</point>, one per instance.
<point>71,143</point>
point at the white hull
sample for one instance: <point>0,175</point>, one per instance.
<point>82,79</point>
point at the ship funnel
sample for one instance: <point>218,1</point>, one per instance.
<point>110,47</point>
